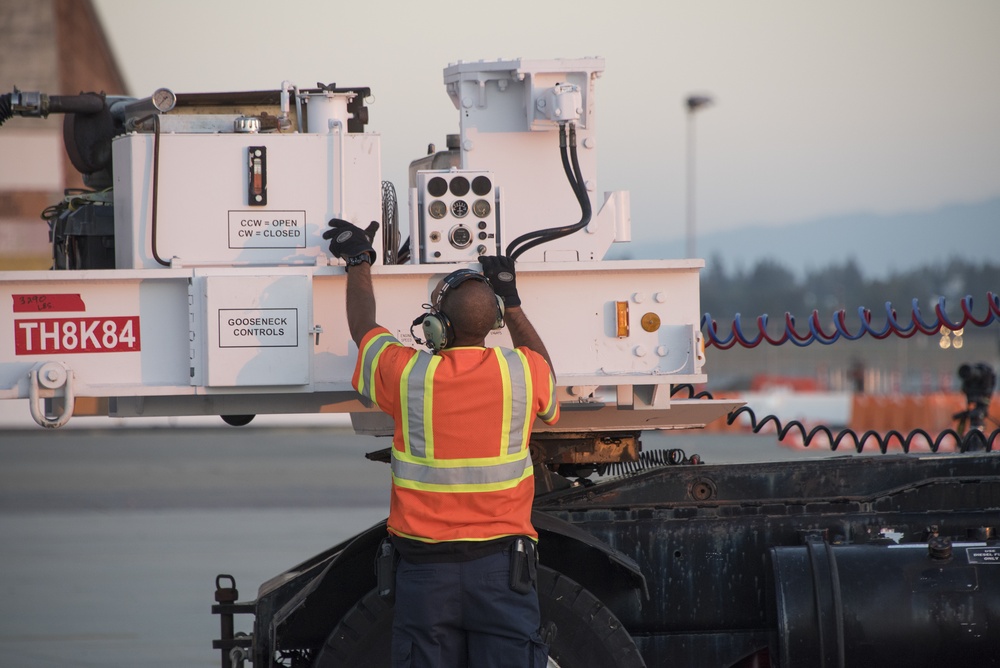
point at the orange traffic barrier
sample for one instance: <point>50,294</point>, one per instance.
<point>930,412</point>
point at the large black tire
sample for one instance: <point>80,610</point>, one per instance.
<point>588,635</point>
<point>361,638</point>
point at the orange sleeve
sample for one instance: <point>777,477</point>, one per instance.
<point>546,404</point>
<point>381,358</point>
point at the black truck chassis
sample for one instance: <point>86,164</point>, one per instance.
<point>888,560</point>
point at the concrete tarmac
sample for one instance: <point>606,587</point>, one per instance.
<point>110,540</point>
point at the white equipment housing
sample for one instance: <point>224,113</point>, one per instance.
<point>225,299</point>
<point>509,113</point>
<point>204,214</point>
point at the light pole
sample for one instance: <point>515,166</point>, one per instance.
<point>694,103</point>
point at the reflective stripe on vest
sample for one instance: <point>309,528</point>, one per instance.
<point>373,349</point>
<point>553,406</point>
<point>460,475</point>
<point>417,404</point>
<point>516,390</point>
<point>416,468</point>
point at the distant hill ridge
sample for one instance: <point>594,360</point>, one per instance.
<point>881,245</point>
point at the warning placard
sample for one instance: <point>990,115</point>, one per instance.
<point>983,555</point>
<point>267,229</point>
<point>258,328</point>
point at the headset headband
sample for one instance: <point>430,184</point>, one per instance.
<point>455,279</point>
<point>436,326</point>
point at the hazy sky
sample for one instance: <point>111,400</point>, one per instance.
<point>822,108</point>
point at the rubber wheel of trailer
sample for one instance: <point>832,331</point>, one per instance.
<point>588,635</point>
<point>237,420</point>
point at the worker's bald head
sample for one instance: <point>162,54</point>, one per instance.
<point>472,309</point>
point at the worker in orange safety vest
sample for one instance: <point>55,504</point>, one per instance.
<point>462,484</point>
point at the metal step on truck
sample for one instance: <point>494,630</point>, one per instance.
<point>192,279</point>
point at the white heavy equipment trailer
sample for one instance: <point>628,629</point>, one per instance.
<point>194,280</point>
<point>223,298</point>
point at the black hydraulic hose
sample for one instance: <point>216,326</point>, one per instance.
<point>575,177</point>
<point>6,111</point>
<point>564,155</point>
<point>84,103</point>
<point>573,172</point>
<point>579,188</point>
<point>40,105</point>
<point>558,233</point>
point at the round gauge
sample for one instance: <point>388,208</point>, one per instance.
<point>460,208</point>
<point>164,99</point>
<point>481,185</point>
<point>459,186</point>
<point>481,208</point>
<point>437,209</point>
<point>460,236</point>
<point>437,186</point>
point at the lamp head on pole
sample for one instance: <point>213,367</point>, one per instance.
<point>696,102</point>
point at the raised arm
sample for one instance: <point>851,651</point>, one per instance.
<point>360,301</point>
<point>500,272</point>
<point>353,245</point>
<point>522,333</point>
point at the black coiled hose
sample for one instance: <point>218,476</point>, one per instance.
<point>968,441</point>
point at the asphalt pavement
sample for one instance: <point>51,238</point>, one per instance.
<point>110,539</point>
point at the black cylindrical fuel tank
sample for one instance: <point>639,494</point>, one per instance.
<point>844,606</point>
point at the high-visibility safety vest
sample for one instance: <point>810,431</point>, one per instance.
<point>461,469</point>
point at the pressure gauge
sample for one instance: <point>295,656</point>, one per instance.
<point>163,99</point>
<point>460,236</point>
<point>437,209</point>
<point>481,208</point>
<point>460,208</point>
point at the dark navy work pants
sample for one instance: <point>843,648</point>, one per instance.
<point>457,614</point>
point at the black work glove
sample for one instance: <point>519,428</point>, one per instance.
<point>500,272</point>
<point>348,241</point>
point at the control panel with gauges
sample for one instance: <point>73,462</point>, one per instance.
<point>457,216</point>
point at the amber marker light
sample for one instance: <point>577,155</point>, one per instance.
<point>622,312</point>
